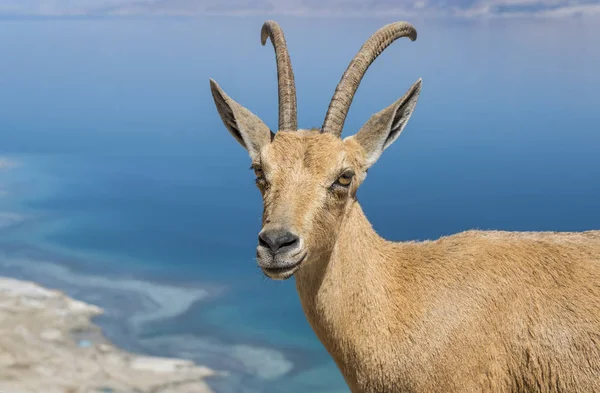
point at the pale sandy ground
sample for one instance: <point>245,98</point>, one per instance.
<point>49,345</point>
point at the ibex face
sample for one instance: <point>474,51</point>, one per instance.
<point>308,177</point>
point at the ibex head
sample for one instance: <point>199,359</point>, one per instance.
<point>309,178</point>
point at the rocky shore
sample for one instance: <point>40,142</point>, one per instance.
<point>49,344</point>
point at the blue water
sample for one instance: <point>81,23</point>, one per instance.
<point>127,191</point>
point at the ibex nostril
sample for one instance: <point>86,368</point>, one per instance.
<point>262,242</point>
<point>277,239</point>
<point>288,241</point>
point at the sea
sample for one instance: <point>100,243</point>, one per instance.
<point>120,186</point>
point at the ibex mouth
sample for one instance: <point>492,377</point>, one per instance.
<point>284,272</point>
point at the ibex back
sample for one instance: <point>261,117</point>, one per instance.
<point>474,312</point>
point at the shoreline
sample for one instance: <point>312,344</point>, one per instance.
<point>49,343</point>
<point>135,311</point>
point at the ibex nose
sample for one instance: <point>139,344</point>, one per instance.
<point>278,240</point>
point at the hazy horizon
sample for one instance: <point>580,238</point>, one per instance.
<point>470,9</point>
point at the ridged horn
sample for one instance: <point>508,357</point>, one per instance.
<point>288,119</point>
<point>346,88</point>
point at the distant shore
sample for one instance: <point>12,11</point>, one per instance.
<point>48,343</point>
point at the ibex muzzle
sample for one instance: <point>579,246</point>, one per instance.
<point>279,252</point>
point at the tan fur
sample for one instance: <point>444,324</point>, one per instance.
<point>474,312</point>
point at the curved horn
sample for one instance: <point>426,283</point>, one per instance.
<point>288,119</point>
<point>346,88</point>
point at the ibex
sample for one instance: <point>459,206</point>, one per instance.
<point>478,311</point>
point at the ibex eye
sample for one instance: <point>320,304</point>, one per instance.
<point>257,171</point>
<point>345,179</point>
<point>261,182</point>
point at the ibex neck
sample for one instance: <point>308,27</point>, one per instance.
<point>358,250</point>
<point>336,294</point>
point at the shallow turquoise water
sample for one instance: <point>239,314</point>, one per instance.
<point>129,192</point>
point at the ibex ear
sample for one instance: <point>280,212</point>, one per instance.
<point>384,127</point>
<point>244,125</point>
